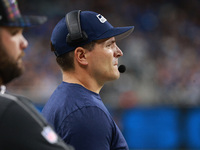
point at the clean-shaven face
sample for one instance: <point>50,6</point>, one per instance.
<point>103,60</point>
<point>12,45</point>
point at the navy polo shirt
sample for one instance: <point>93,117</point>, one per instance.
<point>82,120</point>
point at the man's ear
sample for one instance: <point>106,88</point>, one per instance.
<point>80,55</point>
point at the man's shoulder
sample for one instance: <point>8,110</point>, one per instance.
<point>6,99</point>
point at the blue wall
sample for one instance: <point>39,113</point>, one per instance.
<point>162,128</point>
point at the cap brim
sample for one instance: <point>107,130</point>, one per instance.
<point>26,21</point>
<point>118,32</point>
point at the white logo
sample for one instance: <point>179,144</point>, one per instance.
<point>49,135</point>
<point>12,1</point>
<point>101,18</point>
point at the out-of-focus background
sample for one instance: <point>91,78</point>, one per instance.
<point>156,101</point>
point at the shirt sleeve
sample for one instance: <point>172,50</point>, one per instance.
<point>88,128</point>
<point>19,130</point>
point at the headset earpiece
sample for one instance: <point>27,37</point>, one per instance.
<point>75,35</point>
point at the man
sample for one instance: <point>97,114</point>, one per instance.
<point>85,45</point>
<point>21,126</point>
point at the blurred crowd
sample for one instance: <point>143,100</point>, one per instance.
<point>162,56</point>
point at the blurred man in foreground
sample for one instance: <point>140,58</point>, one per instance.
<point>21,126</point>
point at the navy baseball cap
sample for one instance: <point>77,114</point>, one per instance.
<point>93,24</point>
<point>10,15</point>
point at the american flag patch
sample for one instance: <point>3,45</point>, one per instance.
<point>49,135</point>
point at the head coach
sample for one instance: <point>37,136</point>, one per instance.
<point>84,43</point>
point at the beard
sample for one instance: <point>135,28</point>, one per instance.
<point>9,68</point>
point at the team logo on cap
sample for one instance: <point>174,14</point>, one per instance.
<point>101,18</point>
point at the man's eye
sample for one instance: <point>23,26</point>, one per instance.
<point>108,45</point>
<point>14,32</point>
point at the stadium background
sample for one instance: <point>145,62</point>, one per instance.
<point>156,101</point>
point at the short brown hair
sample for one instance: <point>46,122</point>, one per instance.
<point>66,61</point>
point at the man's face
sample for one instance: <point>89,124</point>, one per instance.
<point>103,60</point>
<point>12,44</point>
